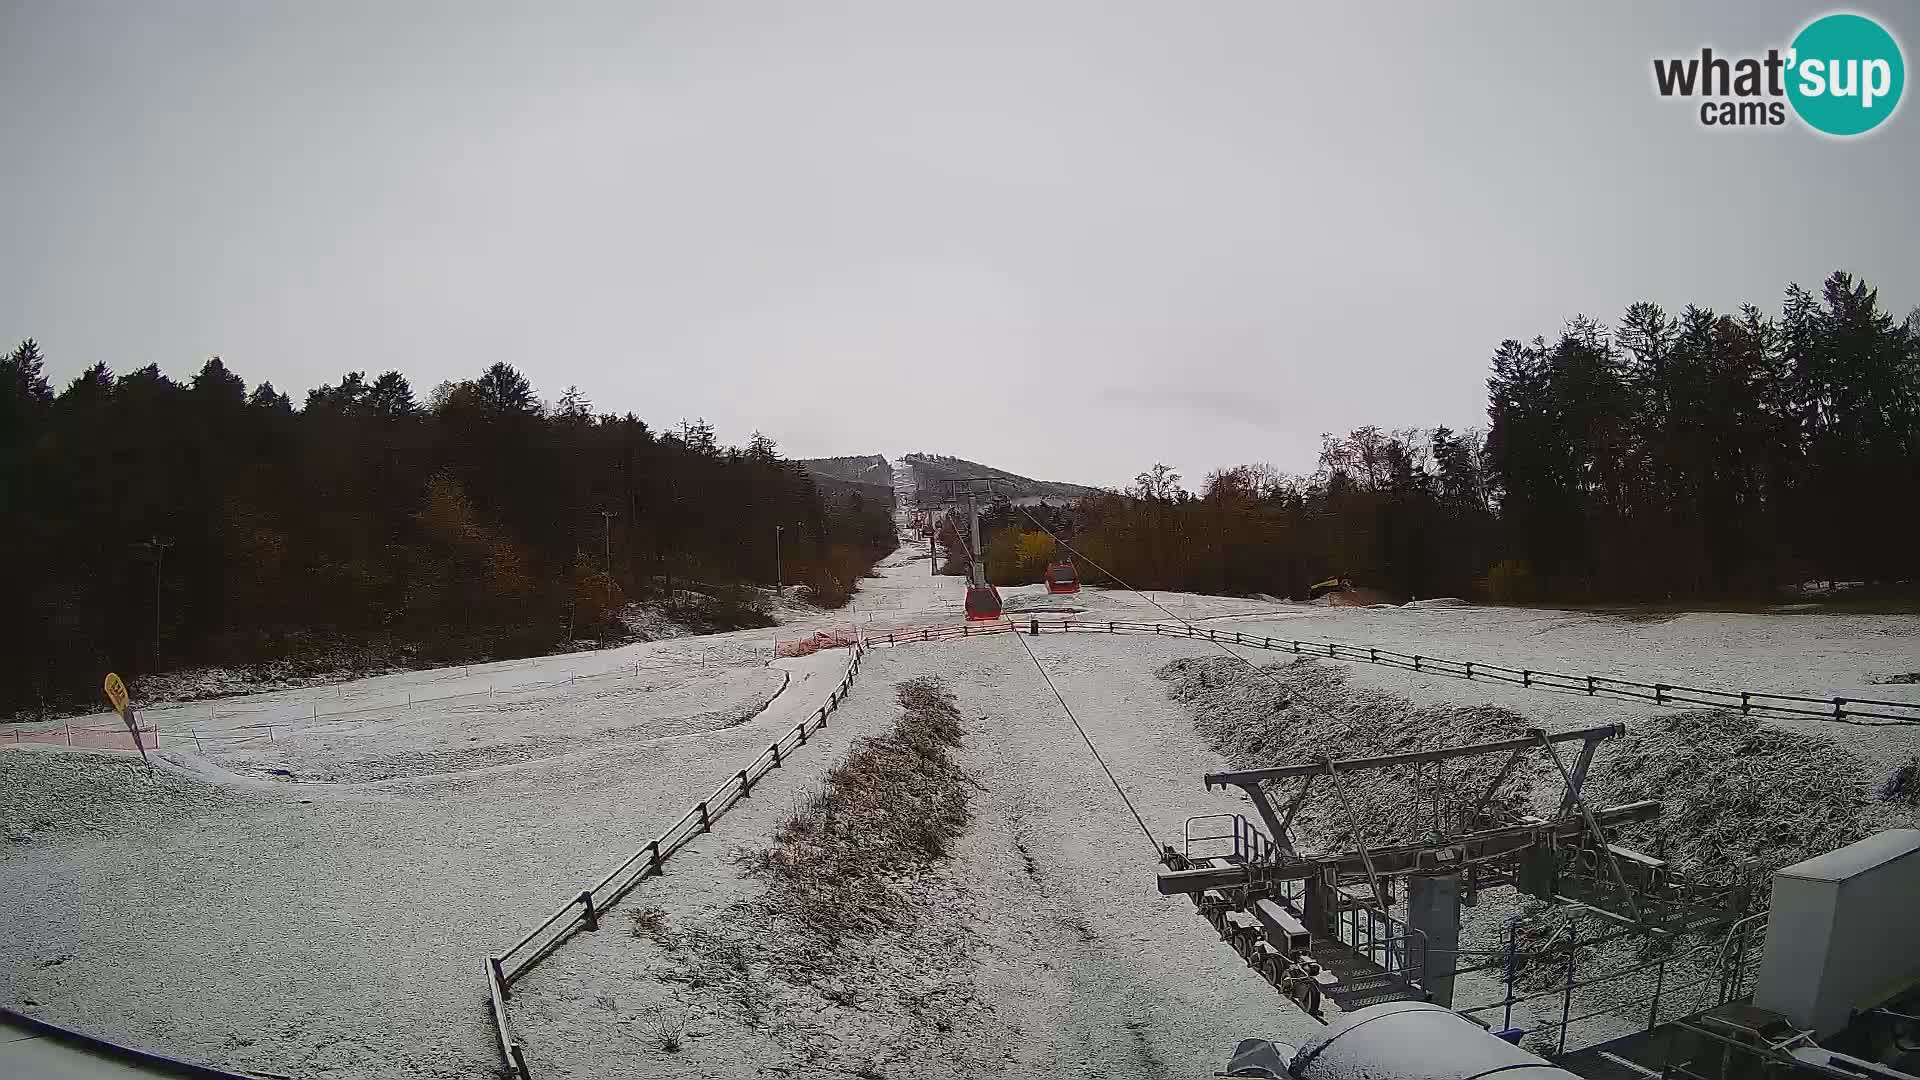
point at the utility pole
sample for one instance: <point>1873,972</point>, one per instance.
<point>779,575</point>
<point>159,548</point>
<point>608,515</point>
<point>979,557</point>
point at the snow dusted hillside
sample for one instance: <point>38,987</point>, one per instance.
<point>313,899</point>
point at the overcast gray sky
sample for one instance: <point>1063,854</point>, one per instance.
<point>1064,239</point>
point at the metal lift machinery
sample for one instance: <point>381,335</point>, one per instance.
<point>1323,924</point>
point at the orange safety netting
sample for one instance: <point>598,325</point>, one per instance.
<point>102,737</point>
<point>807,646</point>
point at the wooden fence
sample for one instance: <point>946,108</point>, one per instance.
<point>586,909</point>
<point>1870,712</point>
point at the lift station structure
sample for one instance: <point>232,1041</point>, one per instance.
<point>1333,913</point>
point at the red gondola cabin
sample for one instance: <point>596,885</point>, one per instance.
<point>1062,578</point>
<point>983,603</point>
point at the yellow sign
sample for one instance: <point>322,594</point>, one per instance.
<point>117,693</point>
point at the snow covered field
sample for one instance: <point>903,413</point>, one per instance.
<point>313,899</point>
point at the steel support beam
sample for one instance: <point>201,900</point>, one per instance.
<point>1405,859</point>
<point>1247,777</point>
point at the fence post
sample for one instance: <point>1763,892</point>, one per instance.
<point>588,915</point>
<point>1839,712</point>
<point>1372,657</point>
<point>1659,693</point>
<point>1659,983</point>
<point>1566,998</point>
<point>1739,963</point>
<point>1513,939</point>
<point>1469,671</point>
<point>776,754</point>
<point>1526,677</point>
<point>1590,686</point>
<point>800,729</point>
<point>1745,703</point>
<point>822,714</point>
<point>499,976</point>
<point>659,864</point>
<point>1033,627</point>
<point>1416,661</point>
<point>746,789</point>
<point>706,821</point>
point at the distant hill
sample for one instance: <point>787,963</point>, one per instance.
<point>870,475</point>
<point>931,471</point>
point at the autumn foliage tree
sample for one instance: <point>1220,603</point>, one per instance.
<point>370,523</point>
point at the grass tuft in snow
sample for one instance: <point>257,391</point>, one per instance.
<point>1902,785</point>
<point>664,1033</point>
<point>648,922</point>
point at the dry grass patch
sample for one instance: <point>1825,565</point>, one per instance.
<point>894,806</point>
<point>648,921</point>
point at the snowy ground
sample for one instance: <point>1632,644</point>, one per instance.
<point>329,929</point>
<point>1057,948</point>
<point>313,899</point>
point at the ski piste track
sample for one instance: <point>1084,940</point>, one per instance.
<point>585,911</point>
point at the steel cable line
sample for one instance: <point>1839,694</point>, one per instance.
<point>1068,709</point>
<point>1048,679</point>
<point>1352,809</point>
<point>1353,813</point>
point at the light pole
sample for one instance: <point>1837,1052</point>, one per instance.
<point>159,548</point>
<point>608,516</point>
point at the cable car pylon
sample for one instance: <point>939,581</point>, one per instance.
<point>983,600</point>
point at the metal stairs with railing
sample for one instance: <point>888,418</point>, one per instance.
<point>1366,963</point>
<point>1358,981</point>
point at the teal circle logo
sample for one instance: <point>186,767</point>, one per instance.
<point>1846,74</point>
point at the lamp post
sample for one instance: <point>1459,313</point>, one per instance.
<point>608,516</point>
<point>159,548</point>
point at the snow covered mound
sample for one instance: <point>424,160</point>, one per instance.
<point>1304,711</point>
<point>1734,787</point>
<point>1039,604</point>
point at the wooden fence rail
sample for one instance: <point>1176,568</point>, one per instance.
<point>585,909</point>
<point>1870,712</point>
